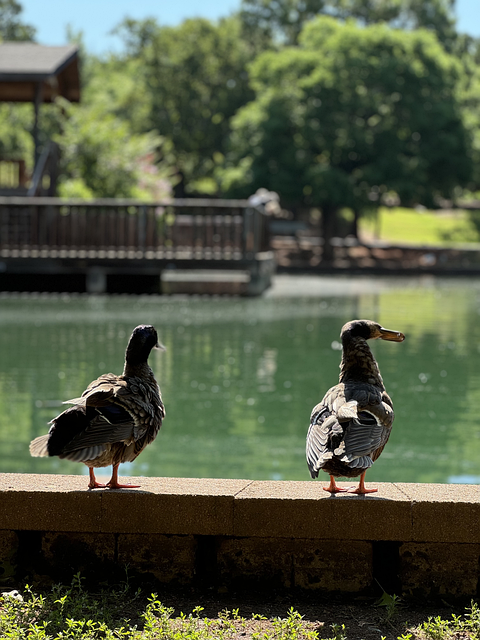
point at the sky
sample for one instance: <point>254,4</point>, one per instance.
<point>97,18</point>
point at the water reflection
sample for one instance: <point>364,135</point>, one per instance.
<point>240,376</point>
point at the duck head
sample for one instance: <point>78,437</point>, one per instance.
<point>369,330</point>
<point>144,338</point>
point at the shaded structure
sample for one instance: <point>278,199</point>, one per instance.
<point>175,246</point>
<point>36,73</point>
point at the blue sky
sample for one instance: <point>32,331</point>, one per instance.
<point>96,18</point>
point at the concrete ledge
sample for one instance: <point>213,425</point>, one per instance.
<point>238,533</point>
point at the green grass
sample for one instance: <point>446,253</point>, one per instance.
<point>398,225</point>
<point>73,613</point>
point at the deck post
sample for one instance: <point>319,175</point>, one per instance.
<point>96,280</point>
<point>37,102</point>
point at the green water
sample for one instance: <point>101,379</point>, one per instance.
<point>240,376</point>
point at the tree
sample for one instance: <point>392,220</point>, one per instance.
<point>348,116</point>
<point>101,156</point>
<point>11,28</point>
<point>283,20</point>
<point>196,79</point>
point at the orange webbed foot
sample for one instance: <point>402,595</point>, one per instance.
<point>114,484</point>
<point>93,484</point>
<point>333,488</point>
<point>117,485</point>
<point>362,489</point>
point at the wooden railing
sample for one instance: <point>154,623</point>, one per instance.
<point>187,228</point>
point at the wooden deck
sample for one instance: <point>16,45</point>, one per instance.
<point>104,240</point>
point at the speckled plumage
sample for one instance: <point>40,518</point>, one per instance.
<point>115,418</point>
<point>351,425</point>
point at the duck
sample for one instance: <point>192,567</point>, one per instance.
<point>114,419</point>
<point>351,425</point>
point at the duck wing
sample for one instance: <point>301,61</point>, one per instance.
<point>112,410</point>
<point>350,427</point>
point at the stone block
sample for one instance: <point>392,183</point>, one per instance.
<point>8,555</point>
<point>168,559</point>
<point>304,510</point>
<point>90,554</point>
<point>332,565</point>
<point>255,562</point>
<point>444,512</point>
<point>312,564</point>
<point>439,569</point>
<point>180,506</point>
<point>48,503</point>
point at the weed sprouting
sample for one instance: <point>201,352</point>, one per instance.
<point>73,613</point>
<point>390,603</point>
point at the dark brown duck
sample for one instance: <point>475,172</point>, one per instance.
<point>351,425</point>
<point>115,418</point>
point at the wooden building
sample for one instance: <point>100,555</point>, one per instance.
<point>38,74</point>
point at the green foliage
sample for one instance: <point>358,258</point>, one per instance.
<point>271,21</point>
<point>196,79</point>
<point>350,115</point>
<point>390,604</point>
<point>11,27</point>
<point>16,142</point>
<point>102,157</point>
<point>71,613</point>
<point>355,110</point>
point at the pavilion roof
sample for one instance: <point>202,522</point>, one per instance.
<point>26,65</point>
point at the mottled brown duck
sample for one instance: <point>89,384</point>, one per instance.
<point>115,418</point>
<point>351,425</point>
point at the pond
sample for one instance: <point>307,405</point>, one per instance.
<point>240,375</point>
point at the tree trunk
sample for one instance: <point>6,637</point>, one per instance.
<point>327,230</point>
<point>356,218</point>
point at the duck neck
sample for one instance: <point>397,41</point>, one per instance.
<point>358,363</point>
<point>137,370</point>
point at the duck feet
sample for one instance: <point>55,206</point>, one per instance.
<point>114,484</point>
<point>93,484</point>
<point>333,488</point>
<point>362,489</point>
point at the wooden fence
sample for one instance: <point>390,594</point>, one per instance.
<point>184,229</point>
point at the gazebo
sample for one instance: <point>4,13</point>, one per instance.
<point>36,73</point>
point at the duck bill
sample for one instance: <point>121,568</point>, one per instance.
<point>392,336</point>
<point>160,347</point>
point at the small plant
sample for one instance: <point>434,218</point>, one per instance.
<point>339,632</point>
<point>391,604</point>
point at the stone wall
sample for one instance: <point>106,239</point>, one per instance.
<point>414,539</point>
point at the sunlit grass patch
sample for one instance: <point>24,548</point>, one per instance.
<point>71,613</point>
<point>398,225</point>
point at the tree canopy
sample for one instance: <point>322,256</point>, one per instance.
<point>11,26</point>
<point>283,20</point>
<point>331,103</point>
<point>197,79</point>
<point>349,115</point>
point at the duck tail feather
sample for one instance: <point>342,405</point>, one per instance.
<point>39,446</point>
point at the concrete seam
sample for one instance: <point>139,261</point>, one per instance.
<point>235,495</point>
<point>401,491</point>
<point>250,482</point>
<point>412,502</point>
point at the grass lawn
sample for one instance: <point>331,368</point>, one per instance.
<point>399,225</point>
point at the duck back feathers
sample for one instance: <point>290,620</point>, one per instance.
<point>115,418</point>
